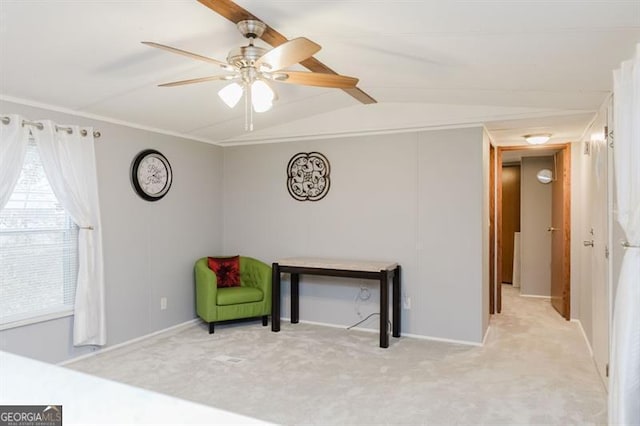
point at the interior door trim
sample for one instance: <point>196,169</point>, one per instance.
<point>566,173</point>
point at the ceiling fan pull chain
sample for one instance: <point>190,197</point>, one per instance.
<point>248,116</point>
<point>246,107</point>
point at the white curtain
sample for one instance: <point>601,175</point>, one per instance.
<point>13,146</point>
<point>69,163</point>
<point>624,384</point>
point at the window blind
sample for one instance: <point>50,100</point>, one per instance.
<point>38,248</point>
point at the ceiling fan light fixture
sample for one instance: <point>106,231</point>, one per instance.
<point>537,139</point>
<point>262,106</point>
<point>231,94</point>
<point>262,96</point>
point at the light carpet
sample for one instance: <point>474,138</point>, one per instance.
<point>535,368</point>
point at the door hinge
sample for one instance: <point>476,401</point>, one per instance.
<point>606,252</point>
<point>608,136</point>
<point>606,370</point>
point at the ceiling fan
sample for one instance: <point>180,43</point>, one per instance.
<point>251,69</point>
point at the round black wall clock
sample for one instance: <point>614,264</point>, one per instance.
<point>151,175</point>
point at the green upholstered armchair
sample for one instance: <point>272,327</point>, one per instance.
<point>251,299</point>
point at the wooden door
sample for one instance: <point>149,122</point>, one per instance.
<point>510,217</point>
<point>560,234</point>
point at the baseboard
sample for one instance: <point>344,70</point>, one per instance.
<point>322,324</point>
<point>128,342</point>
<point>444,340</point>
<point>535,296</point>
<point>603,379</point>
<point>413,336</point>
<point>586,339</point>
<point>486,334</point>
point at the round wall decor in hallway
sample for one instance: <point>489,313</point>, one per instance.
<point>545,176</point>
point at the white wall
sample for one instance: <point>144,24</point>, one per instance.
<point>581,289</point>
<point>595,269</point>
<point>149,248</point>
<point>416,198</point>
<point>588,167</point>
<point>535,218</point>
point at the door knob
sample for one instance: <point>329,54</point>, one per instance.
<point>551,228</point>
<point>588,243</point>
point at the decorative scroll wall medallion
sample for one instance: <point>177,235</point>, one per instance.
<point>308,176</point>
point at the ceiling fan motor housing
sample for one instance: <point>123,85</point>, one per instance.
<point>245,56</point>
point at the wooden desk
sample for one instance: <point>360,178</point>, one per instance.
<point>380,271</point>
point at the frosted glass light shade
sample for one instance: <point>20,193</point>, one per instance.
<point>231,94</point>
<point>537,139</point>
<point>261,96</point>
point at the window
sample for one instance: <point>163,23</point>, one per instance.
<point>38,249</point>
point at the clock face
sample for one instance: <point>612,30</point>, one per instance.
<point>151,175</point>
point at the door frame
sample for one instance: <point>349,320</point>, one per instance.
<point>492,229</point>
<point>566,180</point>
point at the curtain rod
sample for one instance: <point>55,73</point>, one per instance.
<point>40,126</point>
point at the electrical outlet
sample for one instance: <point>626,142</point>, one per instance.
<point>406,302</point>
<point>365,293</point>
<point>163,303</point>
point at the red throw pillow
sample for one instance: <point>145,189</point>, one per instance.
<point>227,270</point>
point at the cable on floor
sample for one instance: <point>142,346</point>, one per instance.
<point>361,321</point>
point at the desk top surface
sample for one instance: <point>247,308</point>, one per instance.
<point>341,264</point>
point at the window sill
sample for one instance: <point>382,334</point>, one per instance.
<point>36,319</point>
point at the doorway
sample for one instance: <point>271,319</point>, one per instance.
<point>511,203</point>
<point>558,226</point>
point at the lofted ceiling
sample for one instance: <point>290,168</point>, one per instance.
<point>516,66</point>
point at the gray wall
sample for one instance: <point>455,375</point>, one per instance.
<point>486,223</point>
<point>535,218</point>
<point>149,248</point>
<point>416,198</point>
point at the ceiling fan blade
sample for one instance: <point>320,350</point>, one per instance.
<point>198,80</point>
<point>189,54</point>
<point>362,96</point>
<point>317,79</point>
<point>288,53</point>
<point>235,13</point>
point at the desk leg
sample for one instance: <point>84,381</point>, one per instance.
<point>396,302</point>
<point>295,298</point>
<point>275,297</point>
<point>384,308</point>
